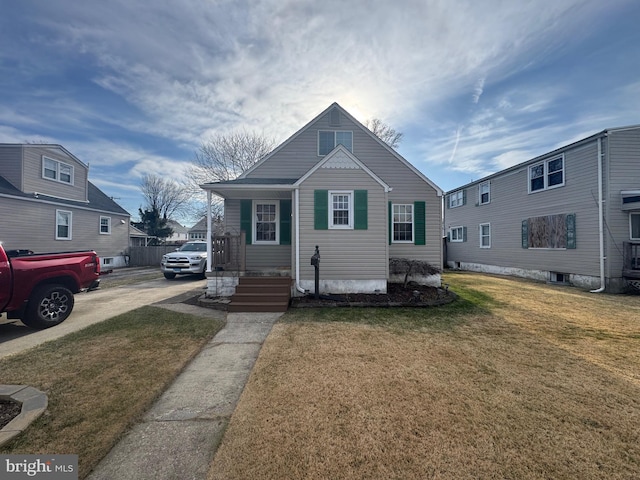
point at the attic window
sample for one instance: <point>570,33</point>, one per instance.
<point>329,139</point>
<point>57,171</point>
<point>334,117</point>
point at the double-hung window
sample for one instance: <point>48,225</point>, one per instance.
<point>57,171</point>
<point>456,234</point>
<point>63,224</point>
<point>105,225</point>
<point>484,193</point>
<point>547,174</point>
<point>266,222</point>
<point>329,139</point>
<point>634,226</point>
<point>402,223</point>
<point>485,235</point>
<point>340,209</point>
<point>457,199</point>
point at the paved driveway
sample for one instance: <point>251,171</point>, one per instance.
<point>94,307</point>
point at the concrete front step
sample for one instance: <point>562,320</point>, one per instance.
<point>257,307</point>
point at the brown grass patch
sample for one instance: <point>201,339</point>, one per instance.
<point>102,379</point>
<point>494,396</point>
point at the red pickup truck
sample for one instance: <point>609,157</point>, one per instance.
<point>38,288</point>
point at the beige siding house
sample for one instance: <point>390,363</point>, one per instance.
<point>335,185</point>
<point>47,204</point>
<point>569,216</point>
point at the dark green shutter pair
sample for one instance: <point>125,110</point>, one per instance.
<point>321,210</point>
<point>419,223</point>
<point>246,220</point>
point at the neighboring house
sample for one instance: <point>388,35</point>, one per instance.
<point>47,203</point>
<point>334,184</point>
<point>199,230</point>
<point>180,234</point>
<point>138,238</point>
<point>570,216</point>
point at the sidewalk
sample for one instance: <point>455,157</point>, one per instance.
<point>178,436</point>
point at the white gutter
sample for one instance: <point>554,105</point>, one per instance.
<point>296,194</point>
<point>600,219</point>
<point>209,232</point>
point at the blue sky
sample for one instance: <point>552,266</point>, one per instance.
<point>134,87</point>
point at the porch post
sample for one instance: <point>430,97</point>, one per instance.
<point>209,232</point>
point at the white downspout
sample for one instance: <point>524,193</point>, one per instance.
<point>600,219</point>
<point>296,194</point>
<point>209,247</point>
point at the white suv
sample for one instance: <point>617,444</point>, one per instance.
<point>190,258</point>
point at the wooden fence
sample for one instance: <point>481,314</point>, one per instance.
<point>148,256</point>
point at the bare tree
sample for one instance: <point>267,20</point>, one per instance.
<point>224,157</point>
<point>165,196</point>
<point>384,132</point>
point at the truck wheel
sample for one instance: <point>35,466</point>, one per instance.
<point>169,275</point>
<point>48,306</point>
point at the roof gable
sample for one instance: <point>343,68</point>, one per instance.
<point>333,114</point>
<point>341,158</point>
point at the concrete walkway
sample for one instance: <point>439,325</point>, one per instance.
<point>178,436</point>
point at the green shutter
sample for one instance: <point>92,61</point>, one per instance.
<point>571,230</point>
<point>246,207</point>
<point>525,233</point>
<point>464,197</point>
<point>390,223</point>
<point>464,234</point>
<point>419,214</point>
<point>285,222</point>
<point>321,209</point>
<point>360,217</point>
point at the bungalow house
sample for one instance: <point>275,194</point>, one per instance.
<point>335,185</point>
<point>180,233</point>
<point>48,204</point>
<point>569,216</point>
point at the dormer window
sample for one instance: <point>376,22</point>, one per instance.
<point>329,139</point>
<point>57,171</point>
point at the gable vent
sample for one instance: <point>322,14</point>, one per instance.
<point>334,117</point>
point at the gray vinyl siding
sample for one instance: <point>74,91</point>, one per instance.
<point>344,254</point>
<point>623,153</point>
<point>511,204</point>
<point>299,155</point>
<point>11,162</point>
<point>34,228</point>
<point>258,257</point>
<point>34,182</point>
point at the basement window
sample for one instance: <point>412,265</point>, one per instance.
<point>560,278</point>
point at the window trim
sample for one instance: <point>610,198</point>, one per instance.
<point>254,224</point>
<point>631,215</point>
<point>334,132</point>
<point>460,236</point>
<point>485,236</point>
<point>350,226</point>
<point>70,216</point>
<point>546,174</point>
<point>480,202</point>
<point>393,222</point>
<point>58,167</point>
<point>459,196</point>
<point>104,217</point>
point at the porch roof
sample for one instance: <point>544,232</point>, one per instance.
<point>256,186</point>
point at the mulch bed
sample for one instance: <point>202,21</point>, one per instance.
<point>8,411</point>
<point>414,295</point>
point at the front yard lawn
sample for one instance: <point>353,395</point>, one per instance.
<point>516,380</point>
